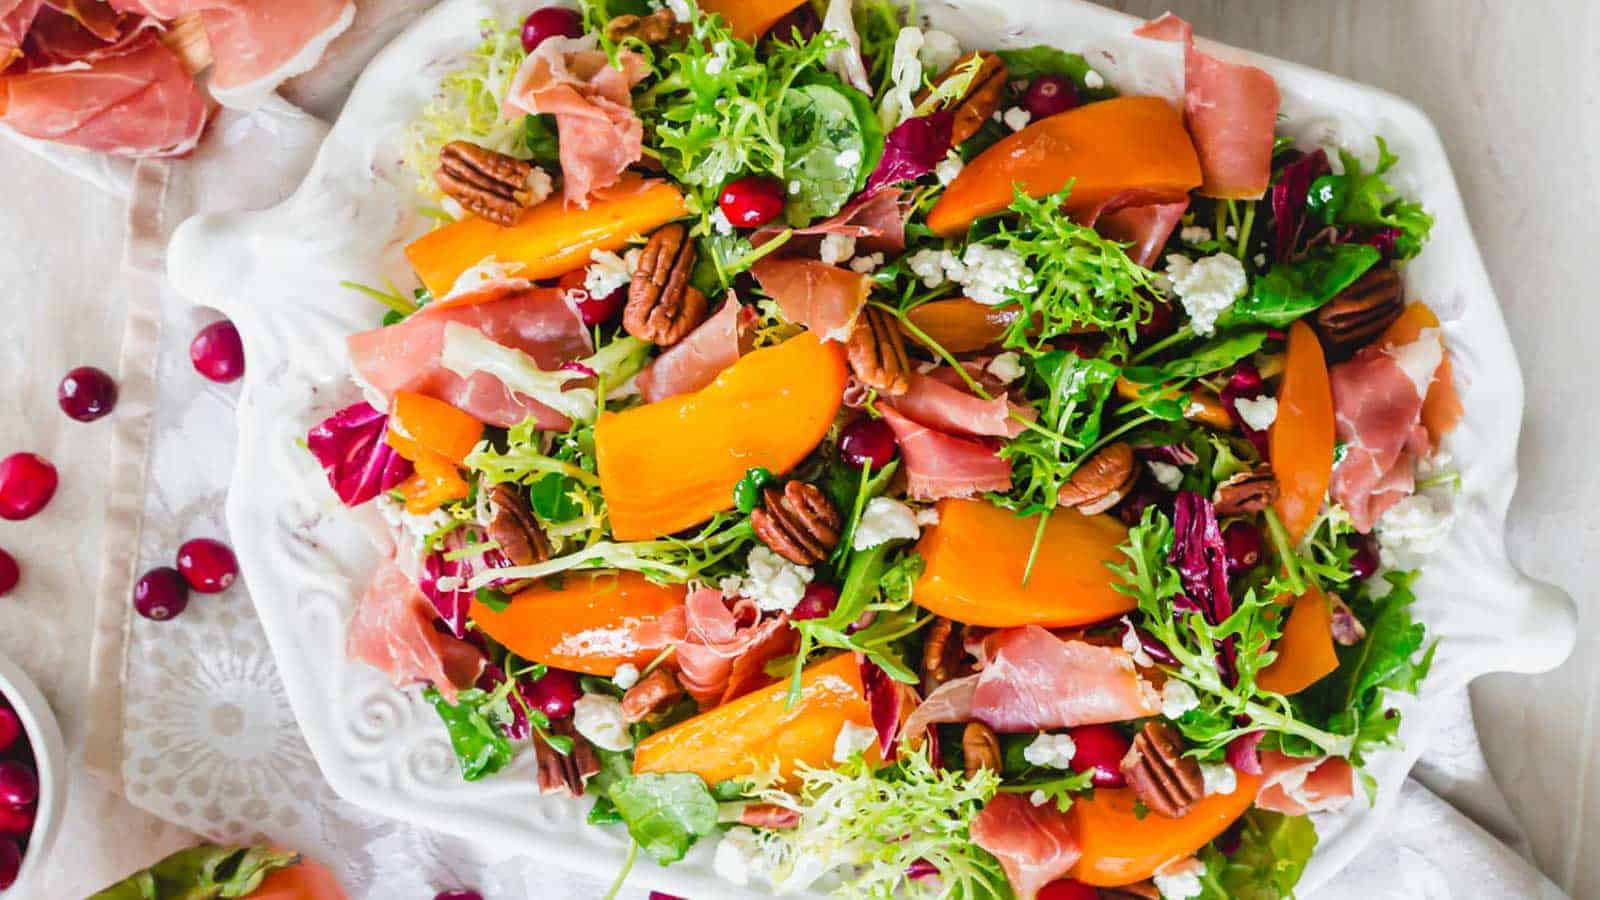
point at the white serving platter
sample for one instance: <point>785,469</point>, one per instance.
<point>276,274</point>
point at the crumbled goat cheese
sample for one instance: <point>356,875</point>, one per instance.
<point>1180,880</point>
<point>990,274</point>
<point>680,10</point>
<point>853,739</point>
<point>940,50</point>
<point>627,676</point>
<point>1257,412</point>
<point>1051,751</point>
<point>1016,118</point>
<point>868,264</point>
<point>1093,81</point>
<point>418,527</point>
<point>1167,474</point>
<point>885,520</point>
<point>836,248</point>
<point>599,718</point>
<point>847,158</point>
<point>928,516</point>
<point>774,583</point>
<point>1414,527</point>
<point>948,168</point>
<point>1134,647</point>
<point>1231,233</point>
<point>1177,698</point>
<point>1006,366</point>
<point>794,186</point>
<point>1038,798</point>
<point>1260,259</point>
<point>606,274</point>
<point>1195,234</point>
<point>1206,287</point>
<point>720,223</point>
<point>1220,778</point>
<point>931,266</point>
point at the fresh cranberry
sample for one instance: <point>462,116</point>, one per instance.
<point>19,783</point>
<point>921,868</point>
<point>27,482</point>
<point>10,728</point>
<point>1067,889</point>
<point>663,895</point>
<point>868,441</point>
<point>818,602</point>
<point>1162,322</point>
<point>10,862</point>
<point>1048,95</point>
<point>160,594</point>
<point>1363,565</point>
<point>458,895</point>
<point>751,201</point>
<point>1100,748</point>
<point>10,574</point>
<point>592,310</point>
<point>208,565</point>
<point>217,352</point>
<point>555,693</point>
<point>16,822</point>
<point>87,393</point>
<point>547,22</point>
<point>1244,546</point>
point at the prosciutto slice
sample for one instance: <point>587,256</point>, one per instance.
<point>825,299</point>
<point>698,359</point>
<point>139,102</point>
<point>1140,220</point>
<point>63,36</point>
<point>1295,785</point>
<point>1230,110</point>
<point>392,630</point>
<point>941,465</point>
<point>721,659</point>
<point>406,356</point>
<point>877,221</point>
<point>257,46</point>
<point>1035,681</point>
<point>1035,844</point>
<point>600,134</point>
<point>1377,407</point>
<point>16,17</point>
<point>941,400</point>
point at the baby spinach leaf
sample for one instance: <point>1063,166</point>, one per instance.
<point>1359,197</point>
<point>1212,356</point>
<point>665,813</point>
<point>1292,289</point>
<point>1028,63</point>
<point>479,745</point>
<point>824,152</point>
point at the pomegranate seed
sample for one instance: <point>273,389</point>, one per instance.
<point>819,600</point>
<point>1067,889</point>
<point>868,441</point>
<point>160,594</point>
<point>1363,565</point>
<point>547,22</point>
<point>208,565</point>
<point>1048,95</point>
<point>16,822</point>
<point>87,393</point>
<point>555,693</point>
<point>217,352</point>
<point>19,783</point>
<point>10,574</point>
<point>10,728</point>
<point>458,895</point>
<point>1100,749</point>
<point>27,482</point>
<point>751,201</point>
<point>592,310</point>
<point>10,863</point>
<point>1244,545</point>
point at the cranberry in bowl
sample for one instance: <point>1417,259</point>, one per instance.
<point>34,750</point>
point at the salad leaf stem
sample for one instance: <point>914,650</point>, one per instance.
<point>1281,544</point>
<point>1184,333</point>
<point>623,873</point>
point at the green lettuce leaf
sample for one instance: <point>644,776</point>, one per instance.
<point>1212,356</point>
<point>1371,201</point>
<point>1290,290</point>
<point>666,813</point>
<point>479,745</point>
<point>1027,63</point>
<point>1273,852</point>
<point>205,872</point>
<point>824,152</point>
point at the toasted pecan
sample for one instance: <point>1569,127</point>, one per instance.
<point>798,522</point>
<point>1164,779</point>
<point>513,526</point>
<point>487,183</point>
<point>564,772</point>
<point>980,748</point>
<point>877,352</point>
<point>662,306</point>
<point>1101,481</point>
<point>1246,492</point>
<point>1360,312</point>
<point>650,695</point>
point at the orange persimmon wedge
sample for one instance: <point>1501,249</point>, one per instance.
<point>975,558</point>
<point>434,482</point>
<point>746,735</point>
<point>750,19</point>
<point>1103,149</point>
<point>1300,442</point>
<point>671,464</point>
<point>1121,848</point>
<point>418,424</point>
<point>305,880</point>
<point>1201,404</point>
<point>1305,649</point>
<point>586,624</point>
<point>1441,409</point>
<point>550,239</point>
<point>960,325</point>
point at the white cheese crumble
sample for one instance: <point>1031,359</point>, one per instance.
<point>1093,80</point>
<point>1051,751</point>
<point>607,273</point>
<point>720,223</point>
<point>1260,259</point>
<point>1167,474</point>
<point>1038,798</point>
<point>928,516</point>
<point>868,264</point>
<point>853,739</point>
<point>1016,118</point>
<point>1180,880</point>
<point>990,274</point>
<point>794,186</point>
<point>836,248</point>
<point>774,583</point>
<point>940,50</point>
<point>599,718</point>
<point>1206,287</point>
<point>1220,778</point>
<point>931,265</point>
<point>948,168</point>
<point>418,527</point>
<point>848,158</point>
<point>627,676</point>
<point>1195,234</point>
<point>1134,647</point>
<point>680,10</point>
<point>1231,233</point>
<point>1007,367</point>
<point>1414,527</point>
<point>721,55</point>
<point>1257,412</point>
<point>885,520</point>
<point>1177,698</point>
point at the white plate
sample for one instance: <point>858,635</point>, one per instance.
<point>276,274</point>
<point>50,761</point>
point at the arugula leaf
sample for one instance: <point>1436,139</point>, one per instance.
<point>1372,201</point>
<point>1069,392</point>
<point>615,766</point>
<point>1212,356</point>
<point>823,152</point>
<point>1290,290</point>
<point>1058,787</point>
<point>1027,63</point>
<point>1272,854</point>
<point>478,744</point>
<point>871,584</point>
<point>665,813</point>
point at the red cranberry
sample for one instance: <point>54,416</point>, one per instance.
<point>87,394</point>
<point>1048,95</point>
<point>868,441</point>
<point>818,602</point>
<point>555,693</point>
<point>751,201</point>
<point>208,565</point>
<point>1244,546</point>
<point>9,573</point>
<point>663,895</point>
<point>19,783</point>
<point>1100,748</point>
<point>10,728</point>
<point>1363,565</point>
<point>1162,322</point>
<point>10,862</point>
<point>458,895</point>
<point>160,594</point>
<point>592,310</point>
<point>217,352</point>
<point>547,22</point>
<point>1067,889</point>
<point>16,822</point>
<point>27,482</point>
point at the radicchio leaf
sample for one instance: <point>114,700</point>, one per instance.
<point>1288,196</point>
<point>359,463</point>
<point>1245,384</point>
<point>1241,752</point>
<point>1172,454</point>
<point>452,598</point>
<point>1201,557</point>
<point>518,729</point>
<point>912,149</point>
<point>886,699</point>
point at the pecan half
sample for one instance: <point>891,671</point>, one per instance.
<point>492,185</point>
<point>941,653</point>
<point>798,522</point>
<point>1101,481</point>
<point>653,29</point>
<point>1360,312</point>
<point>1167,781</point>
<point>650,695</point>
<point>980,749</point>
<point>564,772</point>
<point>1246,492</point>
<point>512,525</point>
<point>982,98</point>
<point>662,306</point>
<point>877,352</point>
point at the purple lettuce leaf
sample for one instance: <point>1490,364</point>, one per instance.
<point>452,598</point>
<point>1201,558</point>
<point>1288,198</point>
<point>518,729</point>
<point>912,149</point>
<point>359,463</point>
<point>886,699</point>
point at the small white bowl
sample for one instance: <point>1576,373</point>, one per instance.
<point>50,758</point>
